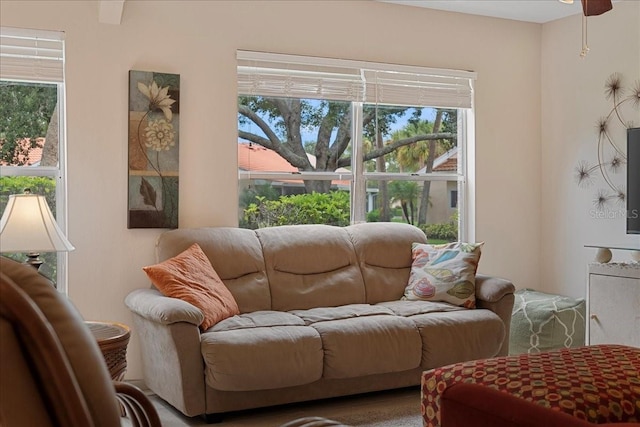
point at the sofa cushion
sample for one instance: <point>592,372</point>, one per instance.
<point>383,250</point>
<point>235,254</point>
<point>258,319</point>
<point>190,277</point>
<point>412,308</point>
<point>262,358</point>
<point>310,266</point>
<point>458,336</point>
<point>368,345</point>
<point>444,273</point>
<point>322,314</point>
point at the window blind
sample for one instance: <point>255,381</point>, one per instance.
<point>31,55</point>
<point>267,74</point>
<point>424,90</point>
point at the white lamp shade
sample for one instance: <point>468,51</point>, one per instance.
<point>27,225</point>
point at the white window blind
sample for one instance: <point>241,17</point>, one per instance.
<point>266,74</point>
<point>31,55</point>
<point>413,89</point>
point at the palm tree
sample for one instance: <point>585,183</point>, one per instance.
<point>412,157</point>
<point>420,155</point>
<point>405,192</point>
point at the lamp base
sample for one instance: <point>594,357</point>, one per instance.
<point>33,259</point>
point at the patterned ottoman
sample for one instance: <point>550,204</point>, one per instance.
<point>542,322</point>
<point>598,384</point>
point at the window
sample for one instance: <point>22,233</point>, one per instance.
<point>32,153</point>
<point>338,142</point>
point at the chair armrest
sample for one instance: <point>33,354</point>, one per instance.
<point>492,289</point>
<point>136,405</point>
<point>152,305</point>
<point>313,422</point>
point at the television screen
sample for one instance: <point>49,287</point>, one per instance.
<point>633,181</point>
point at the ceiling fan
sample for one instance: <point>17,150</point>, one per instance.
<point>593,7</point>
<point>590,8</point>
<point>596,7</point>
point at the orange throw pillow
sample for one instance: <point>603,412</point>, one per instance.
<point>189,276</point>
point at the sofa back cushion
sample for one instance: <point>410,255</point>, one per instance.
<point>311,266</point>
<point>383,250</point>
<point>297,267</point>
<point>234,253</point>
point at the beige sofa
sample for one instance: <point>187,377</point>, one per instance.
<point>321,315</point>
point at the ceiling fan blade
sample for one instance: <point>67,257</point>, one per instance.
<point>596,7</point>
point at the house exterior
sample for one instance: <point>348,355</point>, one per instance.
<point>256,158</point>
<point>443,195</point>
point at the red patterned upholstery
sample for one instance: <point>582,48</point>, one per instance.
<point>466,405</point>
<point>598,384</point>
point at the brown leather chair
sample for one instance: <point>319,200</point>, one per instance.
<point>52,372</point>
<point>313,422</point>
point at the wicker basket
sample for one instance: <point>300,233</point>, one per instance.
<point>112,339</point>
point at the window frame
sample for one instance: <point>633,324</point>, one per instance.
<point>29,63</point>
<point>249,86</point>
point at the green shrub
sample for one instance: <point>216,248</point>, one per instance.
<point>373,216</point>
<point>253,193</point>
<point>42,185</point>
<point>447,231</point>
<point>316,208</point>
<point>441,231</point>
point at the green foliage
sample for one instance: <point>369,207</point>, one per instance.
<point>44,186</point>
<point>315,208</point>
<point>25,112</point>
<point>255,193</point>
<point>405,192</point>
<point>447,231</point>
<point>382,119</point>
<point>373,216</point>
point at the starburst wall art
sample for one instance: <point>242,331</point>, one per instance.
<point>610,157</point>
<point>154,117</point>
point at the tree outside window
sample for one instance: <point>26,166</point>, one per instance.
<point>338,142</point>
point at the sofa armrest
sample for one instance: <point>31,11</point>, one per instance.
<point>169,336</point>
<point>497,295</point>
<point>152,305</point>
<point>492,289</point>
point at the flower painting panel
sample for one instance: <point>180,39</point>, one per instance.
<point>154,129</point>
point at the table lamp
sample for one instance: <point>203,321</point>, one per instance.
<point>27,225</point>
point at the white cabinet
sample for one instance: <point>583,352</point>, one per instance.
<point>613,304</point>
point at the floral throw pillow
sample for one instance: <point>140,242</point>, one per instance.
<point>444,273</point>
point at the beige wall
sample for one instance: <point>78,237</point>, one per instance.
<point>573,102</point>
<point>198,40</point>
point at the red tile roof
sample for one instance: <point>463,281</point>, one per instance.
<point>254,157</point>
<point>34,155</point>
<point>448,162</point>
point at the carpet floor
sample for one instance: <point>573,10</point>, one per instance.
<point>394,408</point>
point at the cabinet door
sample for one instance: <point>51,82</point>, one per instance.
<point>614,310</point>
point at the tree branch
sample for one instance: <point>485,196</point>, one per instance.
<point>273,139</point>
<point>273,142</point>
<point>374,154</point>
<point>343,137</point>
